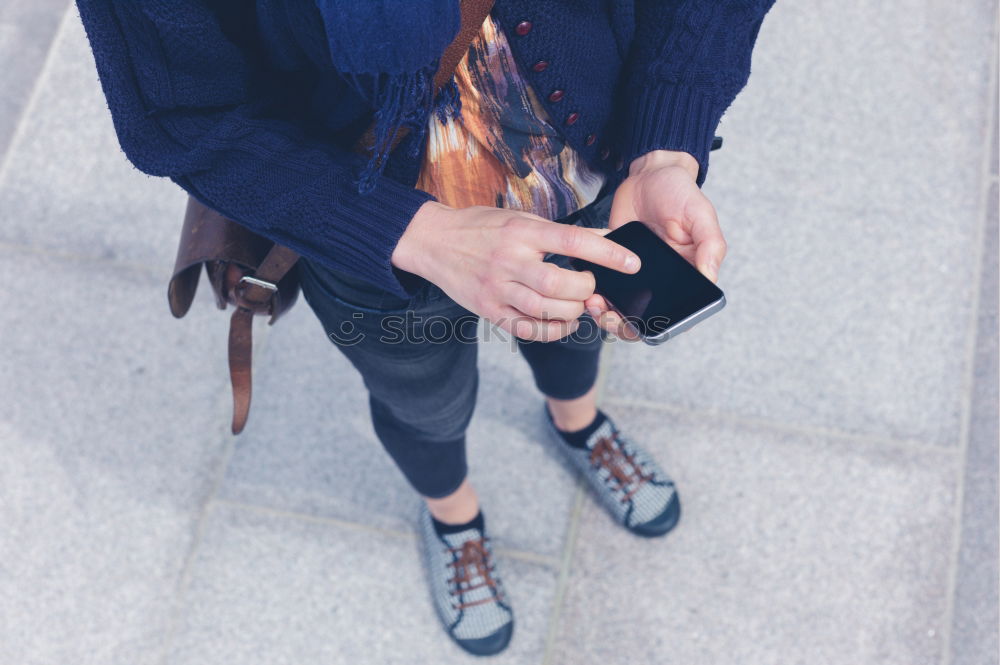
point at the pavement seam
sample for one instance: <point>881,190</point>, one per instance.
<point>969,380</point>
<point>400,534</point>
<point>26,112</point>
<point>562,582</point>
<point>569,549</point>
<point>224,403</point>
<point>789,428</point>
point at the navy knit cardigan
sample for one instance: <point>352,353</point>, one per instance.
<point>238,103</point>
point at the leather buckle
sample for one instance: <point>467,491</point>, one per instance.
<point>254,294</point>
<point>258,282</point>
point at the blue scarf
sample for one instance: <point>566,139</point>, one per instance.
<point>389,51</point>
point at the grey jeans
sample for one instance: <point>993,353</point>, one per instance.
<point>417,357</point>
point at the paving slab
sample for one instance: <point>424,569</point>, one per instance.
<point>993,131</point>
<point>790,549</point>
<point>112,433</point>
<point>68,186</point>
<point>994,137</point>
<point>977,616</point>
<point>310,447</point>
<point>862,329</point>
<point>857,102</point>
<point>26,31</point>
<point>274,590</point>
<point>848,190</point>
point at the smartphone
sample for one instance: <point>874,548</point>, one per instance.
<point>666,297</point>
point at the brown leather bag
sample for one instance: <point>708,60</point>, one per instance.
<point>255,274</point>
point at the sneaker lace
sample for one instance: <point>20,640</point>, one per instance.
<point>473,561</point>
<point>624,471</point>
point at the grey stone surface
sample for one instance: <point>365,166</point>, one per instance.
<point>111,433</point>
<point>858,103</point>
<point>994,136</point>
<point>37,16</point>
<point>309,445</point>
<point>789,550</point>
<point>271,590</point>
<point>976,620</point>
<point>993,133</point>
<point>848,191</point>
<point>858,323</point>
<point>67,172</point>
<point>26,30</point>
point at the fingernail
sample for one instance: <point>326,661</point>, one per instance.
<point>631,262</point>
<point>594,312</point>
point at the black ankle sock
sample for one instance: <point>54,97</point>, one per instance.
<point>476,522</point>
<point>578,439</point>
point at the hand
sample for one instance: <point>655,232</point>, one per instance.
<point>661,190</point>
<point>489,260</point>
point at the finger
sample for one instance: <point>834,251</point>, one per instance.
<point>708,258</point>
<point>611,321</point>
<point>708,238</point>
<point>675,232</point>
<point>536,305</point>
<point>596,305</point>
<point>555,282</point>
<point>622,208</point>
<point>577,242</point>
<point>531,329</point>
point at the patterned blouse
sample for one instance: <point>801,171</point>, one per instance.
<point>504,152</point>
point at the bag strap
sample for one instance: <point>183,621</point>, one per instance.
<point>474,13</point>
<point>256,293</point>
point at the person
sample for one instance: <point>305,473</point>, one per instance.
<point>563,119</point>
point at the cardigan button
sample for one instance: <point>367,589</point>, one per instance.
<point>540,66</point>
<point>556,95</point>
<point>590,139</point>
<point>605,153</point>
<point>523,28</point>
<point>572,117</point>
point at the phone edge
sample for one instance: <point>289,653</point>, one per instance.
<point>687,322</point>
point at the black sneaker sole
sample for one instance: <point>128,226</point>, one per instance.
<point>662,523</point>
<point>489,645</point>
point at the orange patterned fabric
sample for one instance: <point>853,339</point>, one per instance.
<point>504,151</point>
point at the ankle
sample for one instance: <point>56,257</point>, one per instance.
<point>459,507</point>
<point>570,415</point>
<point>478,522</point>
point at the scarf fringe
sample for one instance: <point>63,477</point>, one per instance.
<point>402,101</point>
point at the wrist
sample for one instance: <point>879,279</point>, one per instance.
<point>656,159</point>
<point>410,253</point>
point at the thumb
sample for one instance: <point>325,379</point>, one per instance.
<point>622,208</point>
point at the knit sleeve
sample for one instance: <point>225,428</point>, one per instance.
<point>182,100</point>
<point>688,61</point>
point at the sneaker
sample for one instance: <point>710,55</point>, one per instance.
<point>467,593</point>
<point>625,478</point>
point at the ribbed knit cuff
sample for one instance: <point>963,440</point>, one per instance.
<point>361,241</point>
<point>670,117</point>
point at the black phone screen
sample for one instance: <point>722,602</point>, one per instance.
<point>666,290</point>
